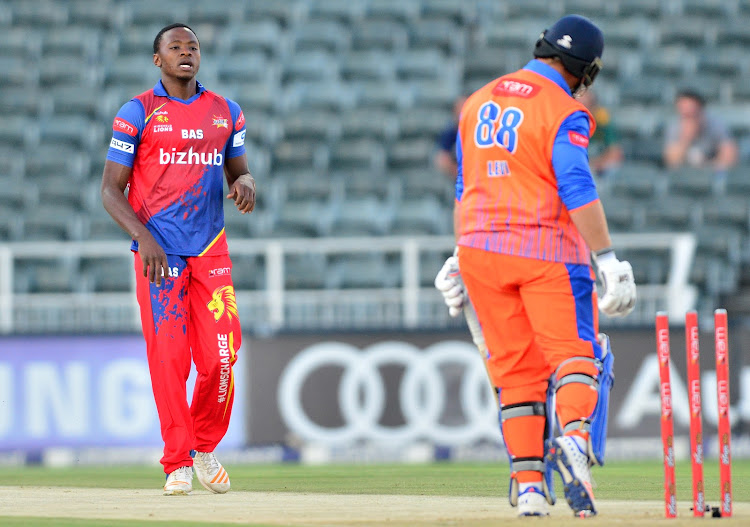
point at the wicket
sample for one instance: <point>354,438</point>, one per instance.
<point>721,346</point>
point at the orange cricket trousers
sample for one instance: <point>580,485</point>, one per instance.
<point>534,315</point>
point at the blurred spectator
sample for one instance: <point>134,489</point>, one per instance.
<point>445,157</point>
<point>697,138</point>
<point>605,150</point>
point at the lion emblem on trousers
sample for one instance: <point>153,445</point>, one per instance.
<point>223,301</point>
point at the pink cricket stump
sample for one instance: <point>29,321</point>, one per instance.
<point>696,422</point>
<point>721,343</point>
<point>667,422</point>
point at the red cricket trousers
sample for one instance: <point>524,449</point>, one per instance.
<point>192,315</point>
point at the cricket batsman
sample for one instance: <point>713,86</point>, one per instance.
<point>527,221</point>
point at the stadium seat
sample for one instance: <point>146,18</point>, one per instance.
<point>106,274</point>
<point>53,222</point>
<point>328,36</point>
<point>248,272</point>
<point>733,32</point>
<point>75,131</point>
<point>677,213</point>
<point>132,70</point>
<point>77,100</point>
<point>388,36</point>
<point>710,9</point>
<point>249,67</point>
<point>286,13</point>
<point>438,96</point>
<point>460,13</point>
<point>364,183</point>
<point>403,11</point>
<point>357,154</point>
<point>368,65</point>
<point>99,15</point>
<point>305,271</point>
<point>16,195</point>
<point>422,122</point>
<point>688,30</point>
<point>207,13</point>
<point>261,96</point>
<point>344,12</point>
<point>325,95</point>
<point>299,155</point>
<point>315,125</point>
<point>303,218</point>
<point>162,13</point>
<point>257,35</point>
<point>414,153</point>
<point>11,224</point>
<point>622,213</point>
<point>639,180</point>
<point>16,72</point>
<point>310,66</point>
<point>421,216</point>
<point>593,9</point>
<point>40,14</point>
<point>359,123</point>
<point>519,36</point>
<point>361,216</point>
<point>424,181</point>
<point>388,96</point>
<point>687,181</point>
<point>21,42</point>
<point>18,130</point>
<point>304,183</point>
<point>361,270</point>
<point>50,275</point>
<point>726,210</point>
<point>443,35</point>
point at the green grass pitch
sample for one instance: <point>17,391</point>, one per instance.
<point>636,481</point>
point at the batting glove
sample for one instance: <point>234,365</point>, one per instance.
<point>617,297</point>
<point>448,282</point>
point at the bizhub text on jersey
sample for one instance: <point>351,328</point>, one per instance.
<point>190,158</point>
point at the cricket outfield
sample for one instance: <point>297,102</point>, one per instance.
<point>442,494</point>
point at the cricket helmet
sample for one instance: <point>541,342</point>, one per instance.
<point>578,43</point>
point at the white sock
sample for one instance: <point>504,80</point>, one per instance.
<point>522,487</point>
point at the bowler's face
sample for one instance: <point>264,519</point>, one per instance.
<point>179,54</point>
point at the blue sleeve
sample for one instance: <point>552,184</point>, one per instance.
<point>459,168</point>
<point>236,142</point>
<point>126,133</point>
<point>570,159</point>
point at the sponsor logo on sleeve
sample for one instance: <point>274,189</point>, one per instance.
<point>128,148</point>
<point>220,122</point>
<point>515,88</point>
<point>578,139</point>
<point>240,121</point>
<point>121,125</point>
<point>239,139</point>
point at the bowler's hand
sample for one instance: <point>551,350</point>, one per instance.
<point>242,192</point>
<point>154,259</point>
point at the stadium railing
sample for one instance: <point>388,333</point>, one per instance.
<point>272,307</point>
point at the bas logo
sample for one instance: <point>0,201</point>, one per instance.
<point>223,301</point>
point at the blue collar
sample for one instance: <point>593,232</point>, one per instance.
<point>160,91</point>
<point>537,66</point>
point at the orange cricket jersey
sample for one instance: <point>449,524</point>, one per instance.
<point>510,202</point>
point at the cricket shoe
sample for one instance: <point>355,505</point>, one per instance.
<point>210,472</point>
<point>179,482</point>
<point>532,502</point>
<point>572,462</point>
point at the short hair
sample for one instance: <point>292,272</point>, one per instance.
<point>691,93</point>
<point>163,30</point>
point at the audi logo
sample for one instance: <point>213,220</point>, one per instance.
<point>422,394</point>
